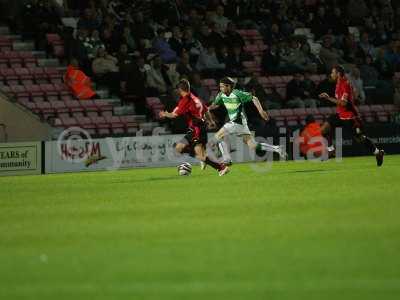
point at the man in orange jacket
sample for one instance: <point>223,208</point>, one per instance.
<point>311,139</point>
<point>77,81</point>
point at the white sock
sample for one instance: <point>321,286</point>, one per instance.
<point>223,147</point>
<point>268,147</point>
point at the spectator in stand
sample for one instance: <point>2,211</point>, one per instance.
<point>93,43</point>
<point>128,39</point>
<point>221,22</point>
<point>369,73</point>
<point>199,89</point>
<point>383,65</point>
<point>232,37</point>
<point>293,59</point>
<point>254,87</point>
<point>330,55</point>
<point>191,45</point>
<point>79,84</point>
<point>175,42</point>
<point>351,51</point>
<point>357,85</point>
<point>160,78</point>
<point>297,96</point>
<point>141,28</point>
<point>357,10</point>
<point>274,35</point>
<point>215,38</point>
<point>89,20</point>
<point>209,64</point>
<point>133,84</point>
<point>328,85</point>
<point>319,24</point>
<point>79,50</point>
<point>309,90</point>
<point>184,66</point>
<point>271,60</point>
<point>366,47</point>
<point>163,48</point>
<point>110,40</point>
<point>338,23</point>
<point>123,57</point>
<point>234,62</point>
<point>106,71</point>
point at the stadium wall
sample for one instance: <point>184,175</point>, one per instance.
<point>21,158</point>
<point>20,125</point>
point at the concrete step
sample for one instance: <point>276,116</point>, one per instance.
<point>113,101</point>
<point>124,110</point>
<point>23,46</point>
<point>48,62</point>
<point>39,54</point>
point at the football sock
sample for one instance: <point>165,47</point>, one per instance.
<point>223,147</point>
<point>215,165</point>
<point>267,147</point>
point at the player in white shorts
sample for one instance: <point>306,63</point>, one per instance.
<point>234,100</point>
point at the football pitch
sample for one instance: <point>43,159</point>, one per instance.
<point>299,231</point>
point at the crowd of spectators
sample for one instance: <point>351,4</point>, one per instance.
<point>142,48</point>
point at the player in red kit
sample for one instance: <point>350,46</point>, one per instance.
<point>346,114</point>
<point>195,140</point>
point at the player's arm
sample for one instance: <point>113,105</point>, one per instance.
<point>169,115</point>
<point>341,102</point>
<point>260,109</point>
<point>210,119</point>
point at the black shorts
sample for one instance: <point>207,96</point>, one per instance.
<point>196,135</point>
<point>353,125</point>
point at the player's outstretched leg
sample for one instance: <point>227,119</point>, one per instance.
<point>248,139</point>
<point>201,155</point>
<point>368,143</point>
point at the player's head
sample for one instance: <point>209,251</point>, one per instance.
<point>310,119</point>
<point>337,72</point>
<point>183,87</point>
<point>226,85</point>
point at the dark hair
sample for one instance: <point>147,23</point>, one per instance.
<point>310,119</point>
<point>228,81</point>
<point>184,85</point>
<point>340,69</point>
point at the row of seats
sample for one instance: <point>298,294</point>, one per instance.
<point>98,124</point>
<point>17,59</point>
<point>14,76</point>
<point>56,44</point>
<point>43,91</point>
<point>155,106</point>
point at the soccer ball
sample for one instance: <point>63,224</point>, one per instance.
<point>184,169</point>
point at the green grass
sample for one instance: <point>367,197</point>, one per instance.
<point>300,231</point>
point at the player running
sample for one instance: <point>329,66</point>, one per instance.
<point>234,100</point>
<point>195,141</point>
<point>346,114</point>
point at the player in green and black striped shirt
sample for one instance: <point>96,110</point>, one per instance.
<point>234,100</point>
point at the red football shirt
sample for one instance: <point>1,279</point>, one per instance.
<point>191,107</point>
<point>343,88</point>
